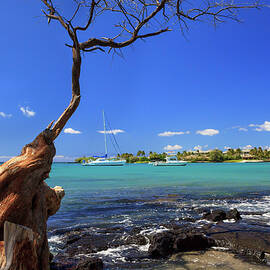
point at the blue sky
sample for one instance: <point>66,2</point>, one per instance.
<point>213,82</point>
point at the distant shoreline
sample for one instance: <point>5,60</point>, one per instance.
<point>225,161</point>
<point>146,162</point>
<point>233,161</point>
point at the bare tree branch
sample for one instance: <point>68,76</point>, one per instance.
<point>216,11</point>
<point>125,13</point>
<point>51,15</point>
<point>94,49</point>
<point>75,12</point>
<point>111,43</point>
<point>140,19</point>
<point>76,69</point>
<point>90,18</point>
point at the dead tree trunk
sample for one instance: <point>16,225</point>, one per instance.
<point>19,251</point>
<point>25,198</point>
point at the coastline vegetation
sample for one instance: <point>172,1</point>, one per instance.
<point>216,155</point>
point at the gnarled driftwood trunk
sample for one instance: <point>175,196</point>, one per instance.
<point>25,199</point>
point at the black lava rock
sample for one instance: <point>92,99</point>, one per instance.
<point>90,264</point>
<point>215,215</point>
<point>219,215</point>
<point>161,245</point>
<point>137,239</point>
<point>72,239</point>
<point>242,239</point>
<point>233,214</point>
<point>189,242</point>
<point>170,242</point>
<point>203,210</point>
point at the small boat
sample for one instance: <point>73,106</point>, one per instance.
<point>104,160</point>
<point>170,161</point>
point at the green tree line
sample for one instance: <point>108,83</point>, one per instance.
<point>197,156</point>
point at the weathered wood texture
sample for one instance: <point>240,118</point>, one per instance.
<point>19,249</point>
<point>2,255</point>
<point>25,198</point>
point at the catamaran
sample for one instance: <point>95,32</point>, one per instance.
<point>104,160</point>
<point>170,161</point>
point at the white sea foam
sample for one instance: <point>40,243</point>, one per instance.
<point>127,220</point>
<point>145,248</point>
<point>254,206</point>
<point>54,243</point>
<point>84,255</point>
<point>219,248</point>
<point>203,221</point>
<point>151,231</point>
<point>115,254</point>
<point>267,198</point>
<point>56,239</point>
<point>251,217</point>
<point>229,220</point>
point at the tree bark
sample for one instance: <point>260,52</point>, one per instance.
<point>75,100</point>
<point>25,198</point>
<point>19,249</point>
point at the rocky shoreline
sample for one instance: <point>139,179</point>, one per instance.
<point>144,247</point>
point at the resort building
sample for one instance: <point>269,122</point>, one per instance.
<point>246,154</point>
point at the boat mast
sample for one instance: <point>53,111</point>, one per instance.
<point>105,139</point>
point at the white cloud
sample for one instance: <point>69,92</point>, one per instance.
<point>172,133</point>
<point>198,147</point>
<point>239,128</point>
<point>247,147</point>
<point>62,158</point>
<point>27,111</point>
<point>71,131</point>
<point>4,115</point>
<point>263,127</point>
<point>113,131</point>
<point>6,157</point>
<point>208,132</point>
<point>172,147</point>
<point>242,129</point>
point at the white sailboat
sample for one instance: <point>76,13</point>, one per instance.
<point>105,161</point>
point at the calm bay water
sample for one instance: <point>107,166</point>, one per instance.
<point>144,195</point>
<point>90,191</point>
<point>197,178</point>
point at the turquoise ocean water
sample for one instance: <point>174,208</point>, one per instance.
<point>89,187</point>
<point>202,178</point>
<point>142,195</point>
